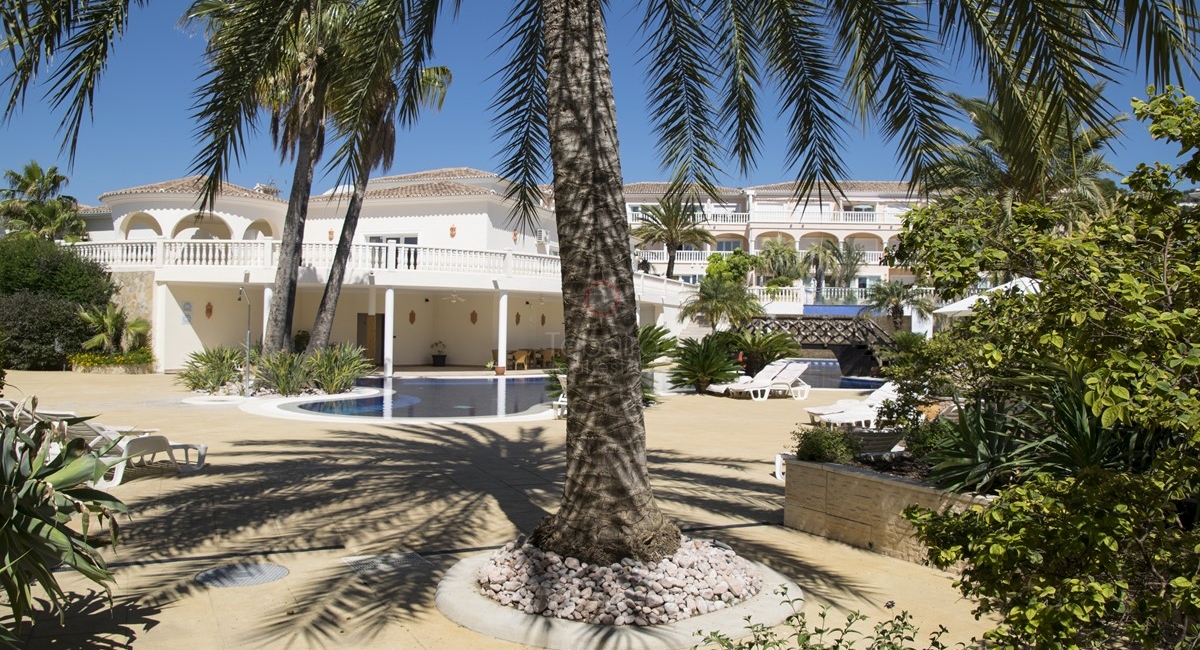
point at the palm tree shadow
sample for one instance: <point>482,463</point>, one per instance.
<point>419,497</point>
<point>90,623</point>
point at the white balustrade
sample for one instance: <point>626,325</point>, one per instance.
<point>118,254</point>
<point>779,294</point>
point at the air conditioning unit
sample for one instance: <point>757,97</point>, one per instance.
<point>542,236</point>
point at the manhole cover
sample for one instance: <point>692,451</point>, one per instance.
<point>365,565</point>
<point>241,575</point>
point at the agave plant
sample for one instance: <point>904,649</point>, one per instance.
<point>983,451</point>
<point>283,372</point>
<point>336,368</point>
<point>46,479</point>
<point>212,369</point>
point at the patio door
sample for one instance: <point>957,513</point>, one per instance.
<point>370,336</point>
<point>406,254</point>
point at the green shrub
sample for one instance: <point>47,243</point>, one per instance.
<point>824,444</point>
<point>336,368</point>
<point>212,369</point>
<point>282,372</point>
<point>921,437</point>
<point>983,451</point>
<point>38,502</point>
<point>896,633</point>
<point>36,265</point>
<point>1095,561</point>
<point>701,363</point>
<point>41,330</point>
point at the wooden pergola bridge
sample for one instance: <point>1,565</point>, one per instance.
<point>856,342</point>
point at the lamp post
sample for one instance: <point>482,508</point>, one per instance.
<point>246,370</point>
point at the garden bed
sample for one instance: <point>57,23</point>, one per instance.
<point>120,369</point>
<point>860,507</point>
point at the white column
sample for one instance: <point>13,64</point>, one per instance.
<point>502,330</point>
<point>389,326</point>
<point>158,326</point>
<point>268,296</point>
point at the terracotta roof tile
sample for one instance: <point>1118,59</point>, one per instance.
<point>93,209</point>
<point>655,188</point>
<point>448,173</point>
<point>864,187</point>
<point>191,185</point>
<point>426,190</point>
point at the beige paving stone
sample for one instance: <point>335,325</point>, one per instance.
<point>306,494</point>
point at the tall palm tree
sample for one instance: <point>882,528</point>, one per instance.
<point>33,203</point>
<point>721,301</point>
<point>989,162</point>
<point>821,258</point>
<point>780,258</point>
<point>850,261</point>
<point>556,106</point>
<point>892,297</point>
<point>674,224</point>
<point>377,149</point>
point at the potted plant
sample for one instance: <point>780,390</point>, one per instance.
<point>439,353</point>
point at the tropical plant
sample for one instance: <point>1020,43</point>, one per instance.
<point>336,369</point>
<point>556,106</point>
<point>213,369</point>
<point>721,301</point>
<point>698,364</point>
<point>821,257</point>
<point>780,259</point>
<point>733,267</point>
<point>46,484</point>
<point>113,331</point>
<point>379,146</point>
<point>282,372</point>
<point>673,223</point>
<point>135,357</point>
<point>1068,177</point>
<point>983,451</point>
<point>892,298</point>
<point>655,342</point>
<point>824,444</point>
<point>761,348</point>
<point>32,204</point>
<point>850,260</point>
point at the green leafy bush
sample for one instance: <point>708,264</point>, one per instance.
<point>701,363</point>
<point>40,266</point>
<point>282,372</point>
<point>212,369</point>
<point>1075,562</point>
<point>45,486</point>
<point>655,342</point>
<point>336,368</point>
<point>896,633</point>
<point>41,330</point>
<point>824,444</point>
<point>983,450</point>
<point>921,437</point>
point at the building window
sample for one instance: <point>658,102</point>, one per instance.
<point>690,279</point>
<point>728,245</point>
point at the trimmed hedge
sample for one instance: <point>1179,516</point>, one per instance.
<point>31,324</point>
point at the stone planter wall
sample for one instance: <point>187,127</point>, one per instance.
<point>131,369</point>
<point>860,507</point>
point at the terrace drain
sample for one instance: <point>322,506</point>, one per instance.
<point>366,565</point>
<point>241,575</point>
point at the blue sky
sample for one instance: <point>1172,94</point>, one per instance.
<point>142,127</point>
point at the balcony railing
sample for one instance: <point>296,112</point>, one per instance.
<point>367,257</point>
<point>870,258</point>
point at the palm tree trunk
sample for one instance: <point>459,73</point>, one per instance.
<point>607,509</point>
<point>671,262</point>
<point>323,324</point>
<point>279,323</point>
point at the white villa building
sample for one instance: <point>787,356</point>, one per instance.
<point>435,259</point>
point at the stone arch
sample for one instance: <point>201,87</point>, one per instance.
<point>761,239</point>
<point>209,227</point>
<point>139,225</point>
<point>811,239</point>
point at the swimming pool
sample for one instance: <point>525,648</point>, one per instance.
<point>430,397</point>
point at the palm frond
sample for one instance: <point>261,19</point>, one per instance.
<point>797,57</point>
<point>680,81</point>
<point>736,53</point>
<point>520,107</point>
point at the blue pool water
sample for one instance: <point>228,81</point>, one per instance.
<point>428,397</point>
<point>424,397</point>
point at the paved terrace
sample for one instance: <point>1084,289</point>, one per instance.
<point>306,495</point>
